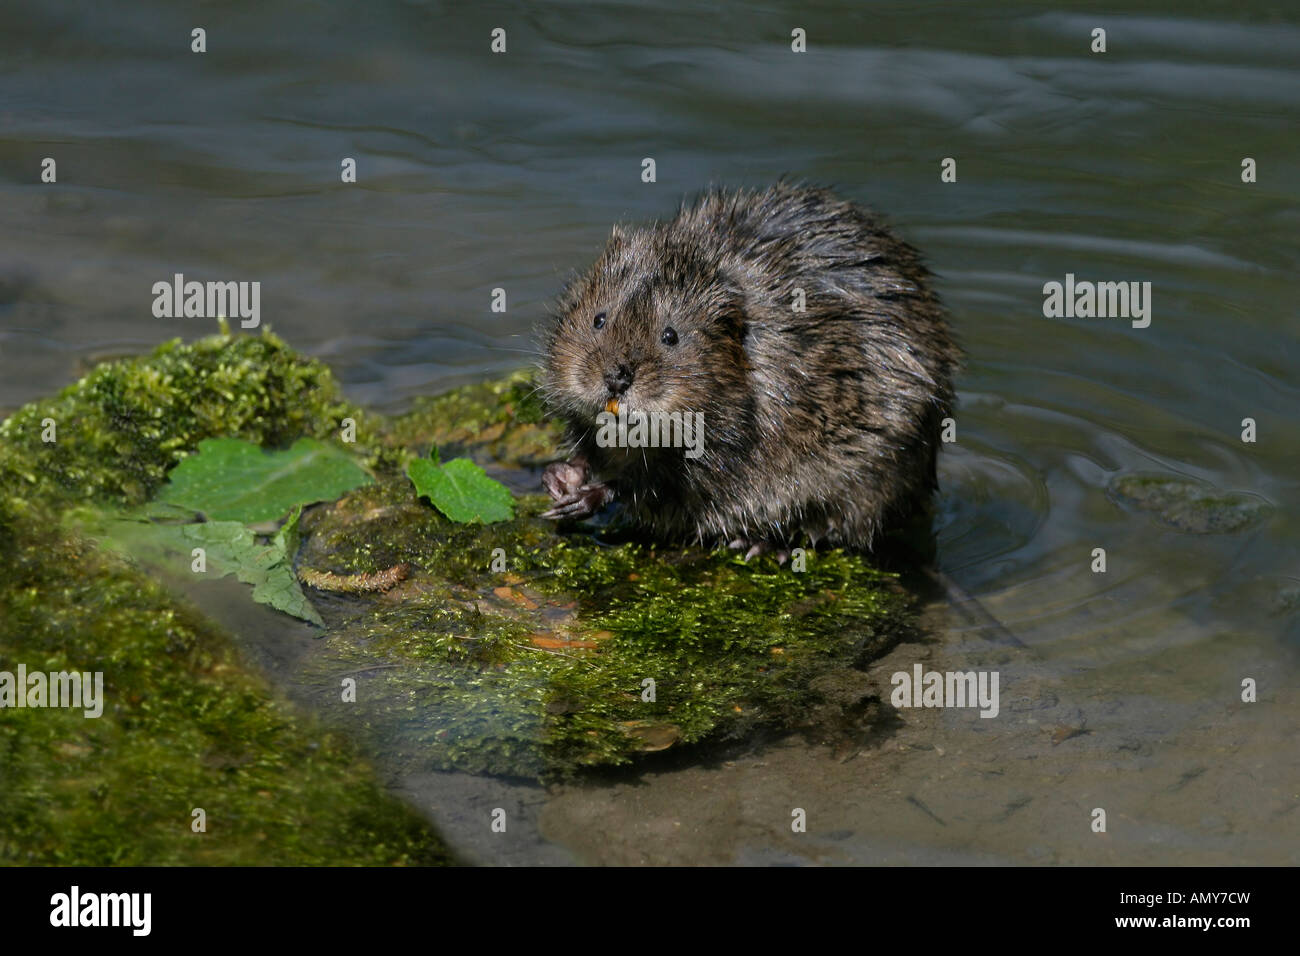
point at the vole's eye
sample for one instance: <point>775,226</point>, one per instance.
<point>599,321</point>
<point>669,337</point>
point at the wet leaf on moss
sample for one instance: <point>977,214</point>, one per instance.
<point>461,490</point>
<point>234,480</point>
<point>229,548</point>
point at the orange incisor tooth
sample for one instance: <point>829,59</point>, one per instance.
<point>611,406</point>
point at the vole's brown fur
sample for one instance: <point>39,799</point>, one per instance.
<point>820,425</point>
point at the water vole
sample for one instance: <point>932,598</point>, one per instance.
<point>819,425</point>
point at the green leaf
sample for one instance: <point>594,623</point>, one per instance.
<point>461,490</point>
<point>229,548</point>
<point>234,480</point>
<point>287,537</point>
<point>233,549</point>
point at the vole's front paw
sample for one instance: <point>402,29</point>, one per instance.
<point>581,503</point>
<point>562,479</point>
<point>575,497</point>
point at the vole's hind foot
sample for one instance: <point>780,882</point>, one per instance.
<point>753,549</point>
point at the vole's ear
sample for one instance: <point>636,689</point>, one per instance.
<point>734,312</point>
<point>731,319</point>
<point>617,237</point>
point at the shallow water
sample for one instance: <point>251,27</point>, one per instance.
<point>480,171</point>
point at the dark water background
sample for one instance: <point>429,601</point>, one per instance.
<point>478,171</point>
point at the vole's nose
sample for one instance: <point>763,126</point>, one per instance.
<point>619,379</point>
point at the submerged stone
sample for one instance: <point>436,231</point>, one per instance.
<point>1188,504</point>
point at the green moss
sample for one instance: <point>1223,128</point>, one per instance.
<point>183,727</point>
<point>125,424</point>
<point>497,421</point>
<point>537,669</point>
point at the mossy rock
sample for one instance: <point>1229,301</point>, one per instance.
<point>583,650</point>
<point>512,649</point>
<point>499,421</point>
<point>538,668</point>
<point>1189,505</point>
<point>123,426</point>
<point>185,726</point>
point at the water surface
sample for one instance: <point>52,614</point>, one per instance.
<point>479,172</point>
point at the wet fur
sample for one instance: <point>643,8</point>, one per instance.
<point>820,426</point>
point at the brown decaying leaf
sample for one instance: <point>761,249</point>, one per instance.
<point>354,583</point>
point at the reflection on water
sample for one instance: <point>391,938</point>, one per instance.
<point>480,171</point>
